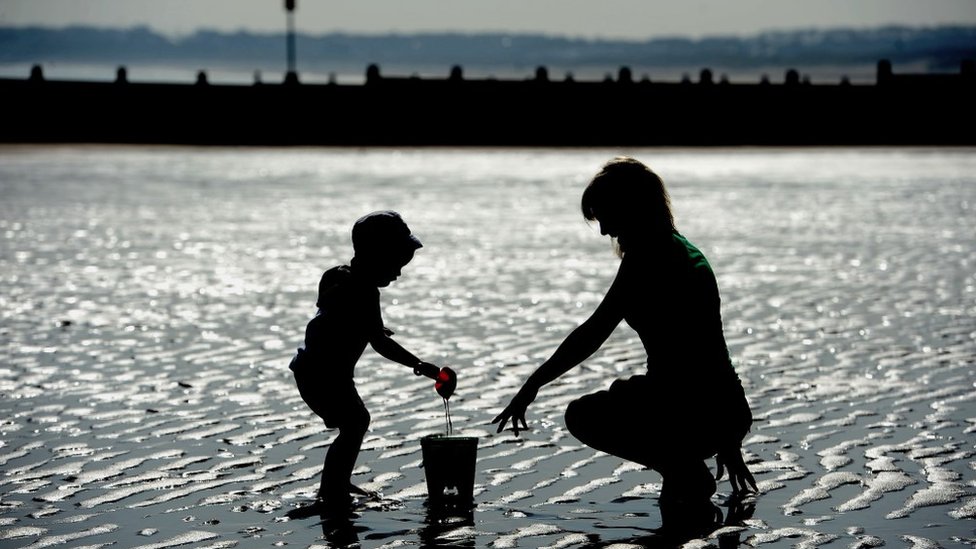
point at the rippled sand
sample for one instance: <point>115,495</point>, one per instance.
<point>152,298</point>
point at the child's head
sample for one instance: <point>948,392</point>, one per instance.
<point>383,245</point>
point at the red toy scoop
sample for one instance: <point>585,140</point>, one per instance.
<point>446,382</point>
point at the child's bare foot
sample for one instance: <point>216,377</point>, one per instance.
<point>315,507</point>
<point>353,489</point>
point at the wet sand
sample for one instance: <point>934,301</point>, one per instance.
<point>152,298</point>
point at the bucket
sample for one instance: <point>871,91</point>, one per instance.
<point>449,464</point>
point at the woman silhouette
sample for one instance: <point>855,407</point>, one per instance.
<point>689,405</point>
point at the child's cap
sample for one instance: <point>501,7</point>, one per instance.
<point>382,230</point>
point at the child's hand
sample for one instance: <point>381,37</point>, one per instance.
<point>426,369</point>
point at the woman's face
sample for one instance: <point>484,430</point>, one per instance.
<point>610,222</point>
<point>608,227</point>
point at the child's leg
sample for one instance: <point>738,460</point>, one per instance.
<point>341,456</point>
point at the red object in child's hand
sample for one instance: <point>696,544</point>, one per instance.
<point>446,382</point>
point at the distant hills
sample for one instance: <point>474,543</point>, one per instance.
<point>931,49</point>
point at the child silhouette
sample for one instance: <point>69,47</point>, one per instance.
<point>348,318</point>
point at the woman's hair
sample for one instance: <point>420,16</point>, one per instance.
<point>628,190</point>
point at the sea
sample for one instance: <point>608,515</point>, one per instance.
<point>153,296</point>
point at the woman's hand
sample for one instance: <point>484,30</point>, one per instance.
<point>739,476</point>
<point>515,411</point>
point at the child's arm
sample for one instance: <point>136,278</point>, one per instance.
<point>388,348</point>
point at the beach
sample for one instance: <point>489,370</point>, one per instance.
<point>154,296</point>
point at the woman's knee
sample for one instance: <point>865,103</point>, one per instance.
<point>582,417</point>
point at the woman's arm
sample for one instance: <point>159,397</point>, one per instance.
<point>579,345</point>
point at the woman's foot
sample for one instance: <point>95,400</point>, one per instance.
<point>686,500</point>
<point>688,481</point>
<point>689,518</point>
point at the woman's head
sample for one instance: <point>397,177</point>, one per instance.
<point>629,201</point>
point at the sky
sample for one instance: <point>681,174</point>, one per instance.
<point>612,19</point>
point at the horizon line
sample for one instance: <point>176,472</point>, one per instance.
<point>500,33</point>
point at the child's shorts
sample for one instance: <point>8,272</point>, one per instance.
<point>337,402</point>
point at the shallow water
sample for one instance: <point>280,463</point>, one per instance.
<point>152,298</point>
